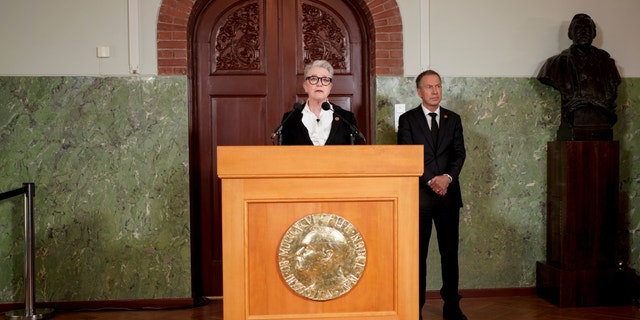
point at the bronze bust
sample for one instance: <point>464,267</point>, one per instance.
<point>588,81</point>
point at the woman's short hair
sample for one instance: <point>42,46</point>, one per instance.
<point>321,64</point>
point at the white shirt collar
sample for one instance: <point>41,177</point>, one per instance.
<point>426,111</point>
<point>318,128</point>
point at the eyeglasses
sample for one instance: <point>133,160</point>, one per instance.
<point>314,80</point>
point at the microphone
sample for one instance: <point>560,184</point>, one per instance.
<point>327,106</point>
<point>297,107</point>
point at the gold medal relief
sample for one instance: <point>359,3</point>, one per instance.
<point>322,256</point>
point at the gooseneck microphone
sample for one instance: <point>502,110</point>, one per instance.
<point>327,106</point>
<point>297,107</point>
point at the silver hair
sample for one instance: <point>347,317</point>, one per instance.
<point>321,64</point>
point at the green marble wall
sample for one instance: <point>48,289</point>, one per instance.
<point>109,158</point>
<point>507,124</point>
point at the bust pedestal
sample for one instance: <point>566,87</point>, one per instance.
<point>587,124</point>
<point>582,217</point>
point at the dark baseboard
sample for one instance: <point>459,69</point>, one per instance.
<point>146,304</point>
<point>160,304</point>
<point>484,293</point>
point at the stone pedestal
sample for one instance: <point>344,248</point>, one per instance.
<point>587,124</point>
<point>582,216</point>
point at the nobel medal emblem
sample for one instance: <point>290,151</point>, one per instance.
<point>322,256</point>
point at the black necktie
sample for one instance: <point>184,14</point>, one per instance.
<point>434,126</point>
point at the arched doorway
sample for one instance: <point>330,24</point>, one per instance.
<point>248,62</point>
<point>175,52</point>
<point>176,20</point>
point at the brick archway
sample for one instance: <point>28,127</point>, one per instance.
<point>383,15</point>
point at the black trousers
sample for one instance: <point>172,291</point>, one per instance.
<point>446,219</point>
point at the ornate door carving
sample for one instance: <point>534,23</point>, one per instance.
<point>247,63</point>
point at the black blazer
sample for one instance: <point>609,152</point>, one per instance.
<point>447,156</point>
<point>295,133</point>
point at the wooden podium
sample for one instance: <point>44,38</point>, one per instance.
<point>266,189</point>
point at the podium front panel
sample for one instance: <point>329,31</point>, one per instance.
<point>258,211</point>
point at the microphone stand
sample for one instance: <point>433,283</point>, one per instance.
<point>278,132</point>
<point>354,130</point>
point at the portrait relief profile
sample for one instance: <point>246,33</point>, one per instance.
<point>322,256</point>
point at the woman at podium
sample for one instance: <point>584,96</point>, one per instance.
<point>319,122</point>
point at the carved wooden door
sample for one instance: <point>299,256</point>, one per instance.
<point>247,62</point>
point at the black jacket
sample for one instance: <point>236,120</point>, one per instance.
<point>445,156</point>
<point>295,133</point>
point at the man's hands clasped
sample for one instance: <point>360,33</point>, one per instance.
<point>439,184</point>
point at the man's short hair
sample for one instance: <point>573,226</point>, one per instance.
<point>424,73</point>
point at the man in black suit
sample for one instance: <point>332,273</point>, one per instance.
<point>439,130</point>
